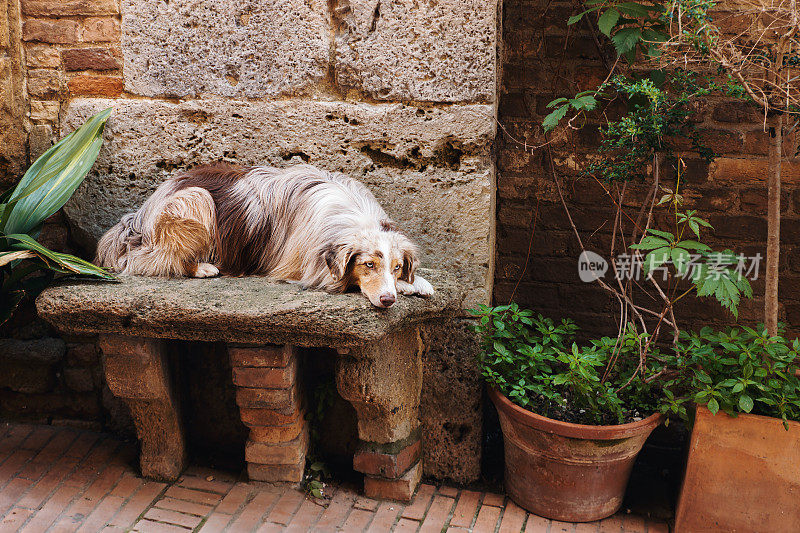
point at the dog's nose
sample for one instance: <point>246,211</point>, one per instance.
<point>387,300</point>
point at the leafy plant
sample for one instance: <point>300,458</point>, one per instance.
<point>26,267</point>
<point>538,365</point>
<point>736,371</point>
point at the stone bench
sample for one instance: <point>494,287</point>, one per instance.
<point>378,369</point>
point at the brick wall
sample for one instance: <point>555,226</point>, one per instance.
<point>545,60</point>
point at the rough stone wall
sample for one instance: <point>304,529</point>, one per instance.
<point>545,60</point>
<point>398,94</point>
<point>12,117</point>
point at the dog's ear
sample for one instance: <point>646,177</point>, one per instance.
<point>339,258</point>
<point>409,261</point>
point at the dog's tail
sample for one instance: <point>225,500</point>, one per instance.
<point>116,243</point>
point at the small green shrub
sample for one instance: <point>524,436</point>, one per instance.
<point>538,365</point>
<point>736,371</point>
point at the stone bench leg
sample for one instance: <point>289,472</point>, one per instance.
<point>383,382</point>
<point>137,371</point>
<point>270,404</point>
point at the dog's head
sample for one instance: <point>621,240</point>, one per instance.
<point>373,261</point>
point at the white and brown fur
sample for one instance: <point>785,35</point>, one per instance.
<point>319,229</point>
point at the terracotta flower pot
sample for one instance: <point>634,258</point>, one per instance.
<point>568,472</point>
<point>742,475</point>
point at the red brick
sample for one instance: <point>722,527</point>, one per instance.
<point>416,511</point>
<point>62,8</point>
<point>487,519</point>
<point>557,526</point>
<point>451,492</point>
<point>148,526</point>
<point>233,500</point>
<point>45,516</point>
<point>357,520</point>
<point>368,504</point>
<point>11,493</point>
<point>255,510</point>
<point>513,518</point>
<point>586,527</point>
<point>210,485</point>
<point>465,509</point>
<point>275,434</point>
<point>14,519</point>
<point>50,481</point>
<point>612,524</point>
<point>285,508</point>
<point>102,514</point>
<point>337,511</point>
<point>537,524</point>
<point>400,489</point>
<point>38,438</point>
<point>261,356</point>
<point>385,516</point>
<point>91,85</point>
<point>100,29</point>
<point>736,112</point>
<point>285,453</point>
<point>437,514</point>
<point>50,31</point>
<point>140,501</point>
<point>182,506</point>
<point>196,496</point>
<point>634,524</point>
<point>495,500</point>
<point>281,399</point>
<point>269,417</point>
<point>306,516</point>
<point>387,465</point>
<point>89,59</point>
<point>406,525</point>
<point>277,473</point>
<point>216,522</point>
<point>657,527</point>
<point>267,378</point>
<point>82,445</point>
<point>172,517</point>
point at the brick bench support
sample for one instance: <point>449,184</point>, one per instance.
<point>383,382</point>
<point>137,371</point>
<point>270,403</point>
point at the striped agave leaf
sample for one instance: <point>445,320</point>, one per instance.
<point>68,264</point>
<point>51,180</point>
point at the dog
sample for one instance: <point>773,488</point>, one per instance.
<point>304,225</point>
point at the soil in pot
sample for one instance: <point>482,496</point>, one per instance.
<point>564,471</point>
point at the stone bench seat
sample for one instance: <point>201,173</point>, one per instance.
<point>378,367</point>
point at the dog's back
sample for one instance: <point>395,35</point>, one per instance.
<point>261,220</point>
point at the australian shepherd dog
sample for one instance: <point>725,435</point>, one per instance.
<point>319,229</point>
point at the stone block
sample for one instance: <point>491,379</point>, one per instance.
<point>89,59</point>
<point>44,110</point>
<point>41,138</point>
<point>38,56</point>
<point>56,31</point>
<point>29,366</point>
<point>100,30</point>
<point>442,51</point>
<point>134,368</point>
<point>80,379</point>
<point>44,83</point>
<point>261,356</point>
<point>63,8</point>
<point>91,85</point>
<point>244,48</point>
<point>429,167</point>
<point>401,489</point>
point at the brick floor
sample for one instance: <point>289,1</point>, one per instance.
<point>58,479</point>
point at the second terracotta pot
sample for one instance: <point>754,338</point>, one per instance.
<point>568,472</point>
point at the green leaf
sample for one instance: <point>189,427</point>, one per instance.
<point>680,258</point>
<point>632,9</point>
<point>745,403</point>
<point>693,245</point>
<point>58,261</point>
<point>575,18</point>
<point>607,21</point>
<point>655,259</point>
<point>556,102</point>
<point>53,177</point>
<point>552,120</point>
<point>665,234</point>
<point>625,40</point>
<point>649,243</point>
<point>713,406</point>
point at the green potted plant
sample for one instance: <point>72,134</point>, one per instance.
<point>746,426</point>
<point>26,267</point>
<point>571,431</point>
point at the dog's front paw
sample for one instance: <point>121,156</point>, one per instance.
<point>422,286</point>
<point>404,287</point>
<point>206,270</point>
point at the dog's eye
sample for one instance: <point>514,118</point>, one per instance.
<point>396,268</point>
<point>369,264</point>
